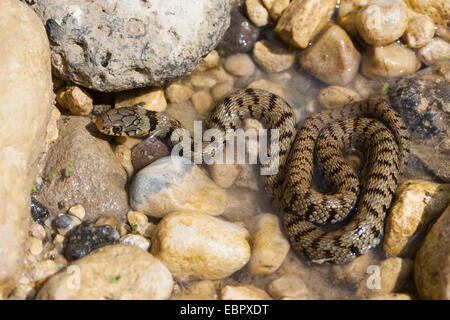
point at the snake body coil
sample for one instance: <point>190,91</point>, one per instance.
<point>312,220</point>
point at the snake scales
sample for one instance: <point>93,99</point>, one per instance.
<point>312,220</point>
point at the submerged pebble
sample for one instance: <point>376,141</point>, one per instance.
<point>336,96</point>
<point>247,292</point>
<point>435,51</point>
<point>273,57</point>
<point>64,223</point>
<point>387,277</point>
<point>269,246</point>
<point>289,286</point>
<point>389,62</point>
<point>148,151</point>
<point>241,35</point>
<point>240,65</point>
<point>332,58</point>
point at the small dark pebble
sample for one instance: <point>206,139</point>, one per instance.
<point>240,36</point>
<point>64,222</point>
<point>149,150</point>
<point>39,212</point>
<point>85,238</point>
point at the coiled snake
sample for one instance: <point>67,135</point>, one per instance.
<point>313,221</point>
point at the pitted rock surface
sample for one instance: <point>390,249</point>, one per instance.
<point>117,45</point>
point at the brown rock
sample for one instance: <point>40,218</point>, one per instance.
<point>303,19</point>
<point>224,174</point>
<point>123,154</point>
<point>417,204</point>
<point>289,286</point>
<point>382,22</point>
<point>388,277</point>
<point>332,58</point>
<point>336,96</point>
<point>26,100</point>
<point>76,100</point>
<point>436,50</point>
<point>247,292</point>
<point>256,12</point>
<point>152,99</point>
<point>420,31</point>
<point>277,8</point>
<point>388,62</point>
<point>269,246</point>
<point>221,90</point>
<point>202,101</point>
<point>177,92</point>
<point>432,267</point>
<point>273,57</point>
<point>239,64</point>
<point>438,10</point>
<point>149,150</point>
<point>347,14</point>
<point>82,169</point>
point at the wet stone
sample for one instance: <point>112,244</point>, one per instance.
<point>149,150</point>
<point>84,239</point>
<point>241,35</point>
<point>64,223</point>
<point>174,183</point>
<point>420,99</point>
<point>39,212</point>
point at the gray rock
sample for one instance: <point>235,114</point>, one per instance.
<point>420,99</point>
<point>84,239</point>
<point>172,184</point>
<point>82,169</point>
<point>118,45</point>
<point>64,223</point>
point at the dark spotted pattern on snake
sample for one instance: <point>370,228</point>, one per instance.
<point>332,227</point>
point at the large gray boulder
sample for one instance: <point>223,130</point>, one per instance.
<point>111,45</point>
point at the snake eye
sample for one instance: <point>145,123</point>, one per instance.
<point>117,130</point>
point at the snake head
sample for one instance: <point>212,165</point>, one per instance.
<point>126,121</point>
<point>106,126</point>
